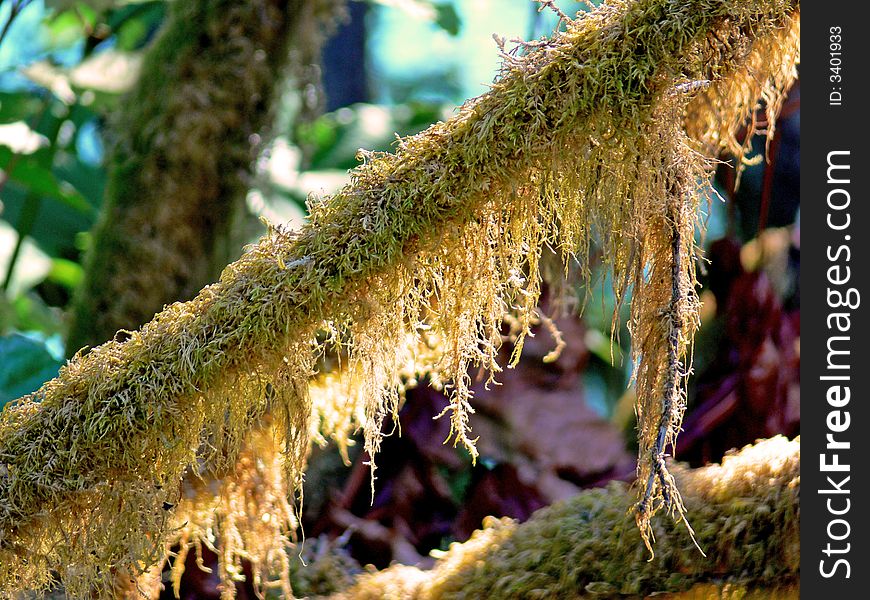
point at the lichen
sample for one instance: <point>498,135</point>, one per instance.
<point>579,139</point>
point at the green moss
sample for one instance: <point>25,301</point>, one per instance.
<point>588,546</point>
<point>412,267</point>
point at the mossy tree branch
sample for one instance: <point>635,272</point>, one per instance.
<point>574,140</point>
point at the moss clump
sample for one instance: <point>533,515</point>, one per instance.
<point>430,248</point>
<point>747,509</point>
<point>323,567</point>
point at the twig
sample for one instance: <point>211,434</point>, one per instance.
<point>660,480</point>
<point>551,4</point>
<point>14,11</point>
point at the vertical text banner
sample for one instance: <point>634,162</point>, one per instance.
<point>835,300</point>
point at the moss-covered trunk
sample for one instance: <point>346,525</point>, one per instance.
<point>182,151</point>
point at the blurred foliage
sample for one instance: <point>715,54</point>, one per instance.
<point>27,362</point>
<point>334,139</point>
<point>63,68</point>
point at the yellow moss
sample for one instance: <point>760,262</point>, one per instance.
<point>244,515</point>
<point>432,246</point>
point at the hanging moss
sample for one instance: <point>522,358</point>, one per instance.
<point>416,262</point>
<point>747,510</point>
<point>244,515</point>
<point>182,148</point>
<point>184,145</point>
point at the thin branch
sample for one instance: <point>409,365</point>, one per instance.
<point>14,11</point>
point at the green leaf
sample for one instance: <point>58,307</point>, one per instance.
<point>89,180</point>
<point>447,18</point>
<point>18,106</point>
<point>67,273</point>
<point>133,24</point>
<point>25,364</point>
<point>57,225</point>
<point>601,346</point>
<point>29,312</point>
<point>63,27</point>
<point>29,172</point>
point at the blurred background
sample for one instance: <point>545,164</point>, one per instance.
<point>396,66</point>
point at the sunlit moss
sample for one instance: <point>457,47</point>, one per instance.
<point>747,510</point>
<point>244,515</point>
<point>580,139</point>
